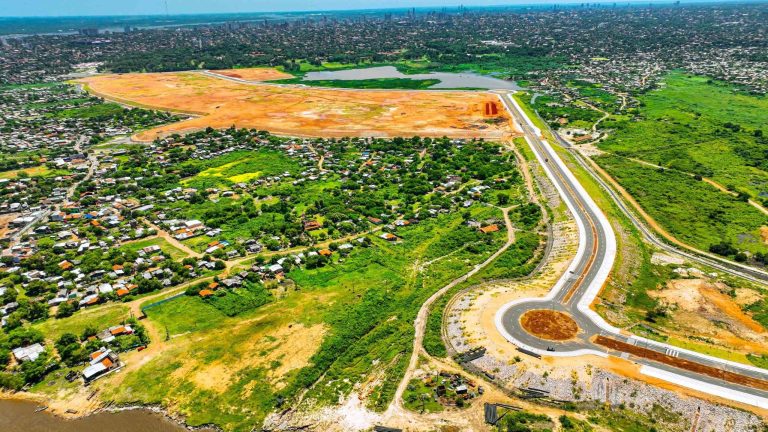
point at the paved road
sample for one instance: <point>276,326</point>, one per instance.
<point>708,259</point>
<point>43,215</point>
<point>589,270</point>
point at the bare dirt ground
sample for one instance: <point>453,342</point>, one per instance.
<point>549,325</point>
<point>253,74</point>
<point>703,308</point>
<point>301,111</point>
<point>5,220</point>
<point>682,363</point>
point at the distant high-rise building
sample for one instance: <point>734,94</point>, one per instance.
<point>89,32</point>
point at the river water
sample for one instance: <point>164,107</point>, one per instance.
<point>447,80</point>
<point>20,416</point>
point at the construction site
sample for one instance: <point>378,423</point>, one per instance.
<point>234,98</point>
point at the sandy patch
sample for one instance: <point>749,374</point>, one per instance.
<point>280,351</point>
<point>704,309</point>
<point>745,297</point>
<point>5,220</point>
<point>659,258</point>
<point>295,345</point>
<point>254,74</point>
<point>590,150</point>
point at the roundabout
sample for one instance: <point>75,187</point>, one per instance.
<point>563,324</point>
<point>549,325</point>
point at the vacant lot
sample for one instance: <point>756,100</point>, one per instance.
<point>699,126</point>
<point>301,111</point>
<point>693,211</point>
<point>174,252</point>
<point>37,171</point>
<point>348,323</point>
<point>254,74</point>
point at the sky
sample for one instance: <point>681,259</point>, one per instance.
<point>10,8</point>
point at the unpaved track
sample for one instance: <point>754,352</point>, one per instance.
<point>420,323</point>
<point>172,240</point>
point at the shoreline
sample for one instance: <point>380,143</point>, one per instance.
<point>40,400</point>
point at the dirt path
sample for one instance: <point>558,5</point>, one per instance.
<point>396,407</point>
<point>525,169</point>
<point>170,239</point>
<point>320,161</point>
<point>231,264</point>
<point>601,119</point>
<point>709,181</point>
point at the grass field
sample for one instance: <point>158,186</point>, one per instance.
<point>93,111</point>
<point>175,253</point>
<point>334,327</point>
<point>239,166</point>
<point>699,126</point>
<point>37,171</point>
<point>691,210</point>
<point>99,318</point>
<point>298,110</point>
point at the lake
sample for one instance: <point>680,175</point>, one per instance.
<point>447,80</point>
<point>20,416</point>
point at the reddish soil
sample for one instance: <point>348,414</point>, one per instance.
<point>681,363</point>
<point>301,111</point>
<point>549,325</point>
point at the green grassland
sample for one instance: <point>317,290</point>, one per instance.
<point>517,261</point>
<point>366,301</point>
<point>37,171</point>
<point>175,253</point>
<point>693,211</point>
<point>92,111</point>
<point>698,126</point>
<point>237,167</point>
<point>99,318</point>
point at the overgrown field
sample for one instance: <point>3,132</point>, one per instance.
<point>693,211</point>
<point>331,329</point>
<point>704,128</point>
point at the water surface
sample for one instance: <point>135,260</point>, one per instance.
<point>447,80</point>
<point>20,416</point>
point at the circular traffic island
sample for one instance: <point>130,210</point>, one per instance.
<point>549,325</point>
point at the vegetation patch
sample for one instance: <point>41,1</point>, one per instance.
<point>691,210</point>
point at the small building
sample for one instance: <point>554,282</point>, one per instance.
<point>489,229</point>
<point>28,353</point>
<point>102,361</point>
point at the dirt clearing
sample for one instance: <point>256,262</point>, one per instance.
<point>302,111</point>
<point>714,313</point>
<point>254,74</point>
<point>549,325</point>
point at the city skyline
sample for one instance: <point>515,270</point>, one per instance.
<point>54,8</point>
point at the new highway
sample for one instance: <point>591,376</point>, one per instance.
<point>576,290</point>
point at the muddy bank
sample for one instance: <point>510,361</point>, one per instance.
<point>20,416</point>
